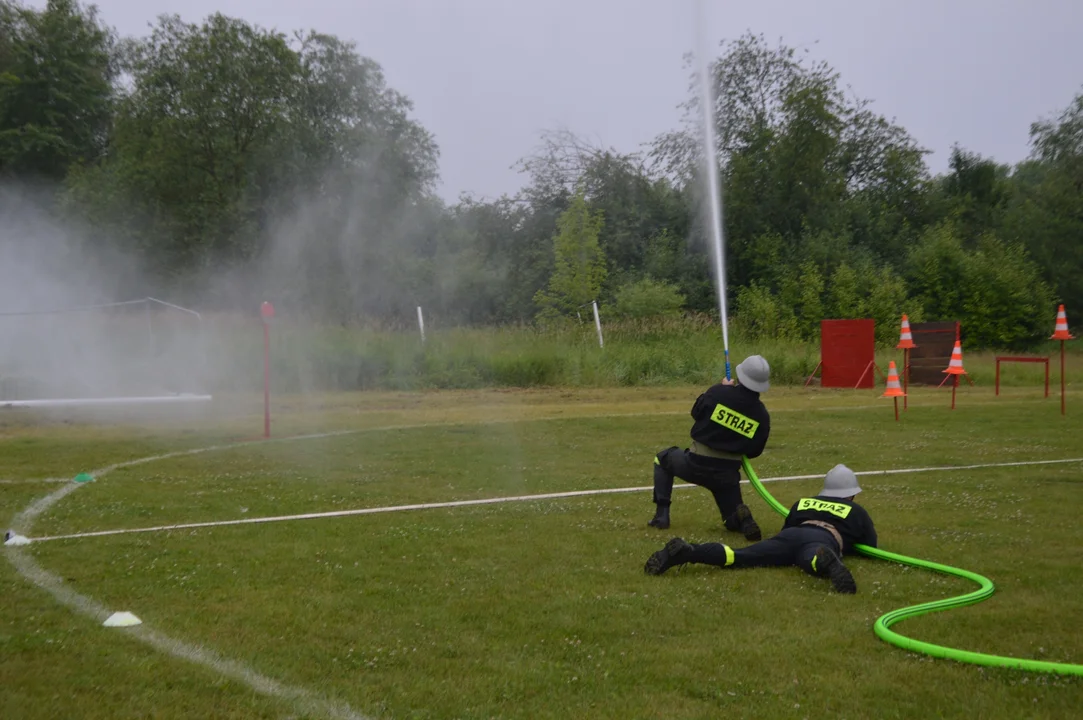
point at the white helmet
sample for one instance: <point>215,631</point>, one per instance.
<point>754,372</point>
<point>840,482</point>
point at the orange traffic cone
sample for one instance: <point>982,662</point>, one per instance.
<point>906,340</point>
<point>894,389</point>
<point>1060,331</point>
<point>906,343</point>
<point>955,366</point>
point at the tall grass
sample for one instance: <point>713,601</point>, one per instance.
<point>642,352</point>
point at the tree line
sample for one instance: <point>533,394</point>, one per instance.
<point>236,163</point>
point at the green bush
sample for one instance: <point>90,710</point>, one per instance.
<point>761,314</point>
<point>845,296</point>
<point>1006,303</point>
<point>995,290</point>
<point>647,298</point>
<point>886,301</point>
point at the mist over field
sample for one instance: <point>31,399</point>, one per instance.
<point>48,268</point>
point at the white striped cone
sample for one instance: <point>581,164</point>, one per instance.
<point>1060,331</point>
<point>894,388</point>
<point>955,367</point>
<point>906,340</point>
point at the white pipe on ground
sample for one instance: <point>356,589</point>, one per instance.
<point>78,402</point>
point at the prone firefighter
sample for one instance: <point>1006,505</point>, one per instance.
<point>816,534</point>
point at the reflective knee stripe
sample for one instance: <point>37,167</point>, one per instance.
<point>729,555</point>
<point>814,557</point>
<point>656,460</point>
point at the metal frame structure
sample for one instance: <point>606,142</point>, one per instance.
<point>119,400</point>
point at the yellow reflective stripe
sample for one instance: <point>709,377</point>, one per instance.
<point>734,421</point>
<point>814,559</point>
<point>837,509</point>
<point>729,555</point>
<point>656,460</point>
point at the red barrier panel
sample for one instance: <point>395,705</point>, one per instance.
<point>847,348</point>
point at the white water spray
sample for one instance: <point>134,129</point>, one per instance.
<point>710,159</point>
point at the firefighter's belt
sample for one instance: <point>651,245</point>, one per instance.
<point>711,452</point>
<point>828,527</point>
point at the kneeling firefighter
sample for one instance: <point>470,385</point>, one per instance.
<point>730,421</point>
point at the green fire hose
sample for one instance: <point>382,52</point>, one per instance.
<point>883,630</point>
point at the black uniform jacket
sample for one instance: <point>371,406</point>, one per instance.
<point>850,519</point>
<point>731,418</point>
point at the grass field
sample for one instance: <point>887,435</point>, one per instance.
<point>537,608</point>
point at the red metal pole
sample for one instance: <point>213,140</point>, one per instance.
<point>896,409</point>
<point>954,384</point>
<point>906,377</point>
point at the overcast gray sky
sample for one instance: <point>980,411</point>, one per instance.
<point>487,76</point>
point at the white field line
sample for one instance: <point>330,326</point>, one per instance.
<point>34,481</point>
<point>22,521</point>
<point>450,423</point>
<point>306,701</point>
<point>508,499</point>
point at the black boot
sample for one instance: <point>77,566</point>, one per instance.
<point>676,552</point>
<point>661,517</point>
<point>742,521</point>
<point>827,563</point>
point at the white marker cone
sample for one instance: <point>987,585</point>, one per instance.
<point>122,619</point>
<point>12,538</point>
